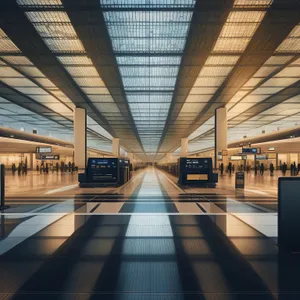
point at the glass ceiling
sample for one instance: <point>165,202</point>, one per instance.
<point>148,45</point>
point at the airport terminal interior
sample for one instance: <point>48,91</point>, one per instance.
<point>149,149</point>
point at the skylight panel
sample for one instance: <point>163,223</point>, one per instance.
<point>17,60</point>
<point>156,45</point>
<point>75,60</point>
<point>215,71</point>
<point>48,16</point>
<point>253,3</point>
<point>222,60</point>
<point>6,45</point>
<point>278,60</point>
<point>77,71</point>
<point>231,44</point>
<point>64,45</point>
<point>40,3</point>
<point>148,60</point>
<point>146,3</point>
<point>292,42</point>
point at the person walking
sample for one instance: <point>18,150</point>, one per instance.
<point>255,169</point>
<point>271,169</point>
<point>230,168</point>
<point>262,169</point>
<point>222,169</point>
<point>284,168</point>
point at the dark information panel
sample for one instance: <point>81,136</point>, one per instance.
<point>239,180</point>
<point>103,170</point>
<point>289,213</point>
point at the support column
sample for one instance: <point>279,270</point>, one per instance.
<point>80,138</point>
<point>116,147</point>
<point>184,147</point>
<point>220,133</point>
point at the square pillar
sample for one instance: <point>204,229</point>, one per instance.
<point>116,147</point>
<point>184,147</point>
<point>220,132</point>
<point>80,143</point>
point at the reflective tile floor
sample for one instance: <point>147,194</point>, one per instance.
<point>149,241</point>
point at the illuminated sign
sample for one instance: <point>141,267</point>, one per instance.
<point>50,157</point>
<point>249,150</point>
<point>236,157</point>
<point>43,149</point>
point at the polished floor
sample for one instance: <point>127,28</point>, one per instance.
<point>147,240</point>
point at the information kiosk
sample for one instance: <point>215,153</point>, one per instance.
<point>105,172</point>
<point>197,171</point>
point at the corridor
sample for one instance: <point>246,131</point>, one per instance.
<point>148,240</point>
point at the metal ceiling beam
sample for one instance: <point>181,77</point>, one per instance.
<point>20,30</point>
<point>96,41</point>
<point>274,28</point>
<point>206,25</point>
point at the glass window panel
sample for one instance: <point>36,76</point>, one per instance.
<point>231,44</point>
<point>198,98</point>
<point>278,60</point>
<point>56,30</point>
<point>31,91</point>
<point>39,3</point>
<point>149,71</point>
<point>289,72</point>
<point>148,60</point>
<point>82,71</point>
<point>289,45</point>
<point>6,45</point>
<point>280,82</point>
<point>197,91</point>
<point>232,30</point>
<point>101,98</point>
<point>266,90</point>
<point>222,60</point>
<point>48,16</point>
<point>95,91</point>
<point>31,71</point>
<point>157,45</point>
<point>9,72</point>
<point>64,45</point>
<point>144,17</point>
<point>45,82</point>
<point>17,60</point>
<point>215,71</point>
<point>89,82</point>
<point>18,82</point>
<point>253,82</point>
<point>75,60</point>
<point>107,107</point>
<point>265,71</point>
<point>209,81</point>
<point>146,3</point>
<point>246,16</point>
<point>252,3</point>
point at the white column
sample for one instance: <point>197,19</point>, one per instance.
<point>116,147</point>
<point>220,132</point>
<point>80,138</point>
<point>184,147</point>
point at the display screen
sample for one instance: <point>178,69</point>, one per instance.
<point>50,157</point>
<point>102,169</point>
<point>197,164</point>
<point>288,214</point>
<point>249,150</point>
